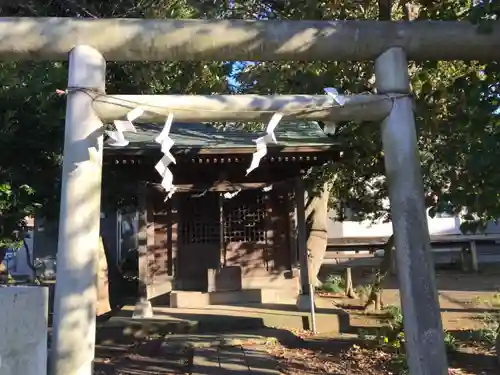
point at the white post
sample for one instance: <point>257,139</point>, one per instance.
<point>72,351</point>
<point>422,320</point>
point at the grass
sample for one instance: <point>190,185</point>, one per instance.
<point>333,284</point>
<point>491,321</point>
<point>336,284</point>
<point>363,291</point>
<point>391,339</point>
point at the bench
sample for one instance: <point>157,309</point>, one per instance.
<point>351,258</point>
<point>462,242</point>
<point>354,252</point>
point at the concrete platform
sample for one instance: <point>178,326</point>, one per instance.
<point>219,318</point>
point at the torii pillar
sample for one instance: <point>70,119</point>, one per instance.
<point>426,353</point>
<point>77,253</point>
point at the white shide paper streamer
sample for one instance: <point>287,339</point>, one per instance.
<point>266,189</point>
<point>229,195</point>
<point>262,142</point>
<point>122,126</point>
<point>202,194</point>
<point>334,94</point>
<point>331,127</point>
<point>162,166</point>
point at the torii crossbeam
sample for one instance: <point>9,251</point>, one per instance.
<point>244,40</point>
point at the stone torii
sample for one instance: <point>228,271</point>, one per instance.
<point>89,43</point>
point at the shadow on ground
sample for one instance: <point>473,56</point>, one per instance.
<point>293,353</point>
<point>240,352</point>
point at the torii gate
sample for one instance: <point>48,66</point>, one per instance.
<point>88,42</point>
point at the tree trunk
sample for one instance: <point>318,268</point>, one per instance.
<point>3,251</point>
<point>317,215</point>
<point>29,261</point>
<point>497,346</point>
<point>384,10</point>
<point>349,288</point>
<point>375,298</point>
<point>4,274</point>
<point>103,304</point>
<point>410,9</point>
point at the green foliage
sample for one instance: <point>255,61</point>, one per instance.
<point>490,321</point>
<point>391,339</point>
<point>394,317</point>
<point>14,206</point>
<point>30,143</point>
<point>458,132</point>
<point>363,291</point>
<point>490,330</point>
<point>32,121</point>
<point>333,284</point>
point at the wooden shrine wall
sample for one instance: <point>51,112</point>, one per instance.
<point>247,236</point>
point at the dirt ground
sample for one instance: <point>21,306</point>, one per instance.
<point>464,297</point>
<point>470,304</point>
<point>358,360</point>
<point>141,358</point>
<point>470,310</point>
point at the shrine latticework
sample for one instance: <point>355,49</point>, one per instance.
<point>244,218</point>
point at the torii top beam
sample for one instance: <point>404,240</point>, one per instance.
<point>244,40</point>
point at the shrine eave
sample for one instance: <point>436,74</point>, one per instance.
<point>203,139</point>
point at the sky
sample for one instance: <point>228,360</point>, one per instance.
<point>237,67</point>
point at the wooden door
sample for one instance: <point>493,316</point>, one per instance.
<point>247,233</point>
<point>199,240</point>
<point>256,237</point>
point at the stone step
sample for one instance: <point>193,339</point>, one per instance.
<point>128,330</point>
<point>242,360</point>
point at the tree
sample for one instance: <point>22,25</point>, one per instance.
<point>455,101</point>
<point>32,125</point>
<point>28,146</point>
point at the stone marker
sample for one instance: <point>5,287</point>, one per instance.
<point>23,330</point>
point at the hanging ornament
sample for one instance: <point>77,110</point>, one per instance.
<point>122,126</point>
<point>262,142</point>
<point>162,166</point>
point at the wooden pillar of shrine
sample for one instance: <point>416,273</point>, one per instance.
<point>302,235</point>
<point>143,308</point>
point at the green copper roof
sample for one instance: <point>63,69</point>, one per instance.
<point>202,136</point>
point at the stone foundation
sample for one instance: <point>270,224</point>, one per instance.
<point>193,300</point>
<point>281,288</point>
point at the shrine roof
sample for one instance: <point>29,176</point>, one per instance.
<point>290,135</point>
